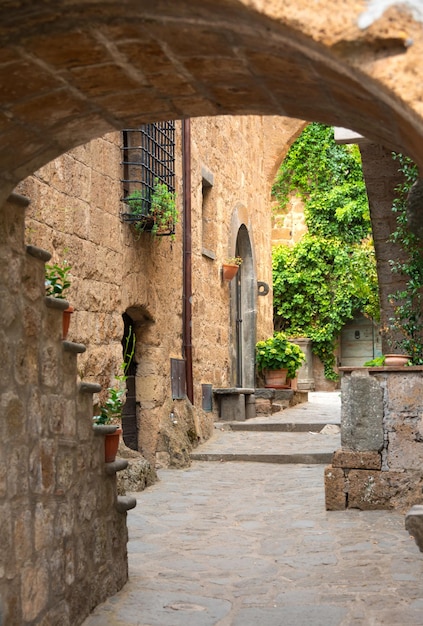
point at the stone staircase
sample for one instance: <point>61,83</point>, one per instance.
<point>307,433</point>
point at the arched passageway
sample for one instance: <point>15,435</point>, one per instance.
<point>72,71</point>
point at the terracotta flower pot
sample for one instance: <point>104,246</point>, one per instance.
<point>275,378</point>
<point>396,359</point>
<point>229,271</point>
<point>66,321</point>
<point>111,445</point>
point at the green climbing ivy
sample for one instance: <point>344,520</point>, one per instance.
<point>330,275</point>
<point>408,309</point>
<point>329,179</point>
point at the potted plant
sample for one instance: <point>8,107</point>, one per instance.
<point>230,267</point>
<point>278,359</point>
<point>389,360</point>
<point>111,408</point>
<point>56,283</point>
<point>156,214</point>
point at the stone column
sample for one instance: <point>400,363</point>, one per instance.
<point>305,378</point>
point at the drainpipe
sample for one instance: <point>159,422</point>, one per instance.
<point>187,259</point>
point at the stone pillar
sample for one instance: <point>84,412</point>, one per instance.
<point>380,463</point>
<point>305,378</point>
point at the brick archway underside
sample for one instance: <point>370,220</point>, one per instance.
<point>72,70</point>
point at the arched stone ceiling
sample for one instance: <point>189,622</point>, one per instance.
<point>71,70</point>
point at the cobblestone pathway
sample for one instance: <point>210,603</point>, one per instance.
<point>251,544</point>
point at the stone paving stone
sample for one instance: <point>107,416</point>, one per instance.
<point>251,544</point>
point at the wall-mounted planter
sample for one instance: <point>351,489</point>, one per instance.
<point>111,445</point>
<point>111,434</point>
<point>66,320</point>
<point>229,271</point>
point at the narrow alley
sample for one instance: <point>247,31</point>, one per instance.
<point>248,542</point>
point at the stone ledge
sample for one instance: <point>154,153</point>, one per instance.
<point>116,466</point>
<point>18,200</point>
<point>233,391</point>
<point>104,429</point>
<point>384,368</point>
<point>265,394</point>
<point>77,348</point>
<point>89,388</point>
<point>38,253</point>
<point>125,503</point>
<point>56,303</point>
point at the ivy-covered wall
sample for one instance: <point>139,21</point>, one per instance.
<point>329,276</point>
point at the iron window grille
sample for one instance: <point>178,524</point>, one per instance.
<point>148,157</point>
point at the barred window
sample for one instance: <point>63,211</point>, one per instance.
<point>148,156</point>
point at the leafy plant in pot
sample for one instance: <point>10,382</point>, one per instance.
<point>111,409</point>
<point>156,214</point>
<point>277,359</point>
<point>230,267</point>
<point>56,283</point>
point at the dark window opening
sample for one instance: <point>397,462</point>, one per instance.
<point>129,409</point>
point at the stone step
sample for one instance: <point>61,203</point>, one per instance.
<point>312,458</point>
<point>269,446</point>
<point>283,427</point>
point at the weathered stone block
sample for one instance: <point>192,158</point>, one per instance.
<point>405,447</point>
<point>34,590</point>
<point>361,413</point>
<point>404,392</point>
<point>414,524</point>
<point>353,459</point>
<point>335,495</point>
<point>263,406</point>
<point>369,490</point>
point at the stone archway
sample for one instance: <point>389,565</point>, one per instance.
<point>69,75</point>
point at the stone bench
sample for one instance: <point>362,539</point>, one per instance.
<point>236,403</point>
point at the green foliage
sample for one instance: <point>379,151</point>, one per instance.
<point>159,211</point>
<point>320,284</point>
<point>163,209</point>
<point>329,179</point>
<point>329,276</point>
<point>278,353</point>
<point>233,260</point>
<point>408,310</point>
<point>57,279</point>
<point>138,203</point>
<point>378,361</point>
<point>111,409</point>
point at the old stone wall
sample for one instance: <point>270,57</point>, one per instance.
<point>75,211</point>
<point>63,541</point>
<point>379,465</point>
